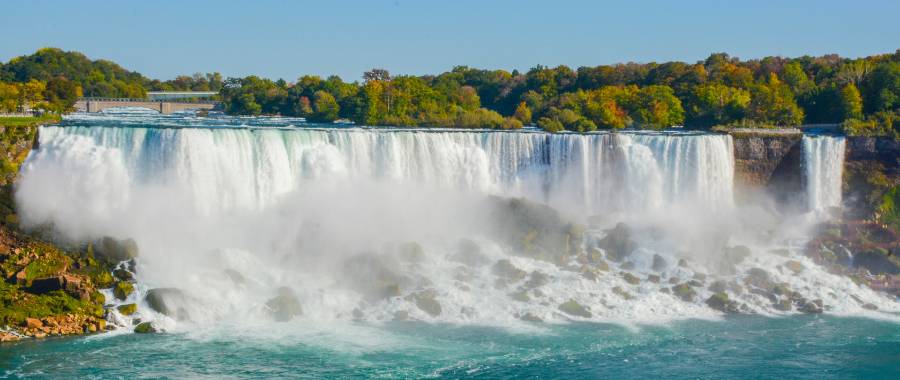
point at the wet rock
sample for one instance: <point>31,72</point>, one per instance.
<point>425,301</point>
<point>573,308</point>
<point>589,273</point>
<point>171,302</point>
<point>401,315</point>
<point>374,276</point>
<point>357,314</point>
<point>46,285</point>
<point>618,243</point>
<point>411,252</point>
<point>732,256</point>
<point>123,275</point>
<point>695,283</point>
<point>780,252</point>
<point>684,291</point>
<point>622,293</point>
<point>812,307</point>
<point>630,278</point>
<point>781,290</point>
<point>783,305</point>
<point>115,251</point>
<point>718,286</point>
<point>758,278</point>
<point>659,263</point>
<point>521,296</point>
<point>505,269</point>
<point>528,317</point>
<point>654,278</point>
<point>720,301</point>
<point>469,253</point>
<point>128,309</point>
<point>236,277</point>
<point>794,266</point>
<point>628,265</point>
<point>123,290</point>
<point>699,277</point>
<point>869,306</point>
<point>877,261</point>
<point>284,306</point>
<point>682,263</point>
<point>144,328</point>
<point>536,280</point>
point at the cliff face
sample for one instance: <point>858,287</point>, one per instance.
<point>871,169</point>
<point>769,162</point>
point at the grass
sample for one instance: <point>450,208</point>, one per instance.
<point>29,121</point>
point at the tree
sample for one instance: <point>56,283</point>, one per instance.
<point>881,89</point>
<point>550,125</point>
<point>851,102</point>
<point>658,108</point>
<point>61,94</point>
<point>325,107</point>
<point>715,103</point>
<point>9,97</point>
<point>773,102</point>
<point>523,113</point>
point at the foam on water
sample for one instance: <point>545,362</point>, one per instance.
<point>287,207</point>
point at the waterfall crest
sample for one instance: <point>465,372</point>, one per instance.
<point>823,161</point>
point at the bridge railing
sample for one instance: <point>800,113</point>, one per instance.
<point>145,100</point>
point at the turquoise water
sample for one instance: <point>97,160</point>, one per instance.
<point>809,347</point>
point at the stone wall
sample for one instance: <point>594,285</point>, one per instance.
<point>770,163</point>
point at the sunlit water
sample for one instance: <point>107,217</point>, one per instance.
<point>286,204</point>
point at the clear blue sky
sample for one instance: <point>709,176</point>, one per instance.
<point>283,39</point>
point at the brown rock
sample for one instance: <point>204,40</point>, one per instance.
<point>33,323</point>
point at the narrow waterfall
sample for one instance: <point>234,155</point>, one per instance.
<point>823,161</point>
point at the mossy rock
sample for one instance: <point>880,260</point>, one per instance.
<point>721,302</point>
<point>536,280</point>
<point>521,296</point>
<point>794,266</point>
<point>171,302</point>
<point>573,308</point>
<point>411,252</point>
<point>144,328</point>
<point>123,289</point>
<point>630,278</point>
<point>684,291</point>
<point>505,269</point>
<point>622,293</point>
<point>425,301</point>
<point>123,275</point>
<point>128,309</point>
<point>285,306</point>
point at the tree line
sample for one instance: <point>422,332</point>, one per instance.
<point>863,93</point>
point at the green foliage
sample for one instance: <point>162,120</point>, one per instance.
<point>716,103</point>
<point>98,78</point>
<point>773,102</point>
<point>658,108</point>
<point>880,124</point>
<point>851,102</point>
<point>890,208</point>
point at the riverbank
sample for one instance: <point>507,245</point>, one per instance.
<point>46,290</point>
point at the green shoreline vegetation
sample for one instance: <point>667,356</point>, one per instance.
<point>860,95</point>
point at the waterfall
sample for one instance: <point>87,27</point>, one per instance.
<point>245,169</point>
<point>823,161</point>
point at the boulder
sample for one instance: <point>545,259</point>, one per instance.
<point>411,252</point>
<point>46,285</point>
<point>33,323</point>
<point>573,308</point>
<point>425,301</point>
<point>536,280</point>
<point>374,276</point>
<point>506,270</point>
<point>128,309</point>
<point>144,328</point>
<point>284,306</point>
<point>684,291</point>
<point>236,277</point>
<point>618,243</point>
<point>794,266</point>
<point>123,275</point>
<point>659,263</point>
<point>115,251</point>
<point>528,317</point>
<point>171,302</point>
<point>813,307</point>
<point>654,278</point>
<point>630,278</point>
<point>622,293</point>
<point>521,296</point>
<point>721,302</point>
<point>123,289</point>
<point>758,278</point>
<point>469,253</point>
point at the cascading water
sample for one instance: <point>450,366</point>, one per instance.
<point>823,161</point>
<point>234,216</point>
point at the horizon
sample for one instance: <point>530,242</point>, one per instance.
<point>264,45</point>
